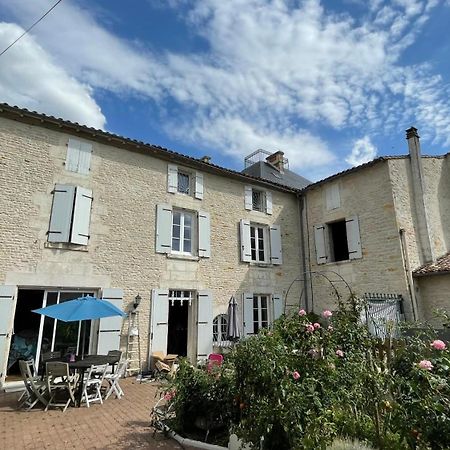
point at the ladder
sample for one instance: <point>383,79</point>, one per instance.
<point>133,350</point>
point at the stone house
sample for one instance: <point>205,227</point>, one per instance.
<point>84,211</point>
<point>384,228</point>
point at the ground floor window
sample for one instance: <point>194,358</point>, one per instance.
<point>220,324</point>
<point>260,312</point>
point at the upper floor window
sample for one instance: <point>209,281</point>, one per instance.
<point>70,216</point>
<point>184,181</point>
<point>179,231</point>
<point>78,157</point>
<point>338,241</point>
<point>260,243</point>
<point>258,200</point>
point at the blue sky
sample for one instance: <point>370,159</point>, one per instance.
<point>332,84</point>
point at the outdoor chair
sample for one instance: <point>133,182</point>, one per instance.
<point>35,389</point>
<point>113,379</point>
<point>60,381</point>
<point>92,384</point>
<point>50,355</point>
<point>117,353</point>
<point>214,360</point>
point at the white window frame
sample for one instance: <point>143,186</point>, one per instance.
<point>183,213</point>
<point>181,295</point>
<point>265,200</point>
<point>220,326</point>
<point>265,228</point>
<point>258,323</point>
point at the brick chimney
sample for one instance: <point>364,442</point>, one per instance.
<point>418,185</point>
<point>277,160</point>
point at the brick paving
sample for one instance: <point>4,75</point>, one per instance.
<point>117,424</point>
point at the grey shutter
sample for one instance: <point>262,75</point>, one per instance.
<point>7,302</point>
<point>276,256</point>
<point>84,163</point>
<point>110,327</point>
<point>278,306</point>
<point>172,178</point>
<point>163,228</point>
<point>249,328</point>
<point>198,185</point>
<point>159,320</point>
<point>333,198</point>
<point>353,238</point>
<point>61,216</point>
<point>204,235</point>
<point>81,216</point>
<point>319,239</point>
<point>268,202</point>
<point>204,325</point>
<point>248,198</point>
<point>246,252</point>
<point>73,155</point>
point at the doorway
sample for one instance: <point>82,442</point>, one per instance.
<point>177,336</point>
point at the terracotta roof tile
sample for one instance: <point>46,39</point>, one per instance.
<point>441,265</point>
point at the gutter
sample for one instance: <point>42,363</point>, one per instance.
<point>301,205</point>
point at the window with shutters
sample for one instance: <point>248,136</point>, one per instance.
<point>70,215</point>
<point>261,317</point>
<point>258,243</point>
<point>184,181</point>
<point>78,158</point>
<point>220,324</point>
<point>182,232</point>
<point>338,241</point>
<point>258,200</point>
<point>261,310</point>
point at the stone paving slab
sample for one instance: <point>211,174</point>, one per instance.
<point>117,424</point>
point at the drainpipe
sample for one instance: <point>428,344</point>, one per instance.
<point>409,277</point>
<point>423,229</point>
<point>301,205</point>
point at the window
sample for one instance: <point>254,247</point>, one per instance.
<point>78,158</point>
<point>220,324</point>
<point>181,296</point>
<point>260,310</point>
<point>338,241</point>
<point>182,232</point>
<point>258,200</point>
<point>70,216</point>
<point>184,181</point>
<point>260,243</point>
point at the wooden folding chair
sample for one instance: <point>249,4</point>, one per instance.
<point>59,381</point>
<point>35,389</point>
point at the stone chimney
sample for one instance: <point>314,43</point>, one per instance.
<point>418,187</point>
<point>277,160</point>
<point>206,159</point>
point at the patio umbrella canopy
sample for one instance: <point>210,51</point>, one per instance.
<point>82,308</point>
<point>233,333</point>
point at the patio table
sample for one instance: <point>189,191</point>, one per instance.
<point>82,364</point>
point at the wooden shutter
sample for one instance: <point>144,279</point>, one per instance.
<point>333,198</point>
<point>159,320</point>
<point>81,216</point>
<point>276,256</point>
<point>353,237</point>
<point>268,202</point>
<point>278,306</point>
<point>319,239</point>
<point>204,325</point>
<point>163,228</point>
<point>204,235</point>
<point>246,252</point>
<point>110,327</point>
<point>172,178</point>
<point>73,155</point>
<point>84,163</point>
<point>248,198</point>
<point>198,185</point>
<point>61,216</point>
<point>249,328</point>
<point>7,304</point>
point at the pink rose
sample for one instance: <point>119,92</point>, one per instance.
<point>425,364</point>
<point>295,375</point>
<point>309,328</point>
<point>327,314</point>
<point>316,325</point>
<point>438,344</point>
<point>340,353</point>
<point>330,328</point>
<point>302,312</point>
<point>169,396</point>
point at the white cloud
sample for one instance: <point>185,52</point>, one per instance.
<point>30,78</point>
<point>362,151</point>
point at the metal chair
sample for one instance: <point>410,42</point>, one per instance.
<point>59,380</point>
<point>214,360</point>
<point>35,389</point>
<point>113,379</point>
<point>93,383</point>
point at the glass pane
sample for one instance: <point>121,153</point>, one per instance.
<point>224,328</point>
<point>176,244</point>
<point>252,232</point>
<point>187,220</point>
<point>257,200</point>
<point>187,246</point>
<point>187,232</point>
<point>66,336</point>
<point>215,330</point>
<point>176,218</point>
<point>261,233</point>
<point>183,182</point>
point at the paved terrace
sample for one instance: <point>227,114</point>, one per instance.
<point>117,424</point>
